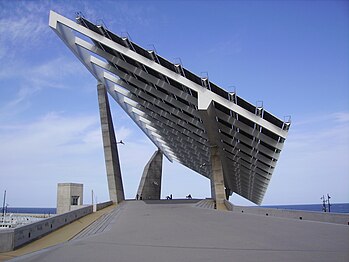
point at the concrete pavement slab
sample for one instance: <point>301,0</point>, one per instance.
<point>182,232</point>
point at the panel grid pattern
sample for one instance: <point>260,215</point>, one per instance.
<point>165,102</point>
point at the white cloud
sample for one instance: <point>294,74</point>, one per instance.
<point>30,80</point>
<point>59,148</point>
<point>40,154</point>
<point>320,120</point>
<point>342,117</point>
<point>47,73</point>
<point>22,27</point>
<point>24,32</point>
<point>55,148</point>
<point>123,133</point>
<point>51,134</point>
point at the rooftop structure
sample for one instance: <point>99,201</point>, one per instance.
<point>69,197</point>
<point>190,119</point>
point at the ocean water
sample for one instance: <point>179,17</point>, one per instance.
<point>31,210</point>
<point>335,208</point>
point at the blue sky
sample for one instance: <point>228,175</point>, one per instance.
<point>292,55</point>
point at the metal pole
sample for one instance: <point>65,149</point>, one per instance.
<point>323,203</point>
<point>328,201</point>
<point>3,206</point>
<point>92,197</point>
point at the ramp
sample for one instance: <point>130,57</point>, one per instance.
<point>182,232</point>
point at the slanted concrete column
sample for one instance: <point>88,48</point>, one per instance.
<point>217,179</point>
<point>115,186</point>
<point>150,184</point>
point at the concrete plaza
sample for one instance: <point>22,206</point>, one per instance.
<point>175,230</point>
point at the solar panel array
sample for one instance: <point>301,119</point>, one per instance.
<point>163,98</point>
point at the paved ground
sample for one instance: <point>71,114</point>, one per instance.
<point>61,235</point>
<point>181,232</point>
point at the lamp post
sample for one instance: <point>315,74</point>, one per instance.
<point>328,202</point>
<point>323,203</point>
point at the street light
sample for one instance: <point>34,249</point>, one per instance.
<point>328,202</point>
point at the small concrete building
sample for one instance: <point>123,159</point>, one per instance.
<point>69,197</point>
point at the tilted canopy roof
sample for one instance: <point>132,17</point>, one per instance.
<point>183,114</point>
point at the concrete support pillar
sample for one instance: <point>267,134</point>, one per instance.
<point>115,186</point>
<point>150,184</point>
<point>217,179</point>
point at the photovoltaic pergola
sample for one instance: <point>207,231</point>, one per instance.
<point>189,118</point>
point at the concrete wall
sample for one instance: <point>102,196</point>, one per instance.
<point>6,240</point>
<point>100,206</point>
<point>14,238</point>
<point>292,214</point>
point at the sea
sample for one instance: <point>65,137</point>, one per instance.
<point>335,208</point>
<point>30,210</point>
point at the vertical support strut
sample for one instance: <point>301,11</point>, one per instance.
<point>217,177</point>
<point>115,186</point>
<point>150,184</point>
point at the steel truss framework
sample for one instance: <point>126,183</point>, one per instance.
<point>166,101</point>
